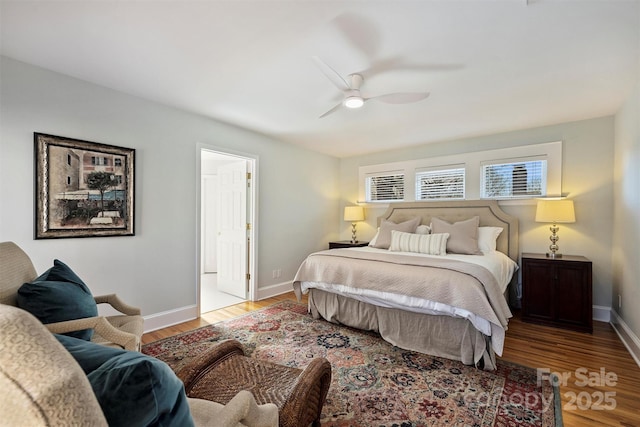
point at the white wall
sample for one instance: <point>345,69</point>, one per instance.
<point>626,241</point>
<point>156,268</point>
<point>587,179</point>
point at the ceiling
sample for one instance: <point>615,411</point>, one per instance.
<point>489,65</point>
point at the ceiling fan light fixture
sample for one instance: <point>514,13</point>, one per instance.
<point>353,102</point>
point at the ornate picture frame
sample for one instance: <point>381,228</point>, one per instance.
<point>82,188</point>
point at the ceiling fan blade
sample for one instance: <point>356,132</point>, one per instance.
<point>332,110</point>
<point>397,63</point>
<point>400,97</point>
<point>331,74</point>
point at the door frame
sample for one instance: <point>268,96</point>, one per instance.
<point>252,215</point>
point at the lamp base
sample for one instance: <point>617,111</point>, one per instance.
<point>554,242</point>
<point>354,240</point>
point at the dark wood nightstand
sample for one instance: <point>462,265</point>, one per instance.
<point>557,291</point>
<point>347,244</point>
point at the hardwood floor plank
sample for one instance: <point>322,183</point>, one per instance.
<point>567,352</point>
<point>536,346</point>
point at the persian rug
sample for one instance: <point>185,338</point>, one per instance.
<point>374,383</point>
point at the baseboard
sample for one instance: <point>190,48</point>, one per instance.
<point>273,290</point>
<point>601,313</point>
<point>627,336</point>
<point>168,318</point>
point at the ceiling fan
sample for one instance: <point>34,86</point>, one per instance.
<point>353,98</point>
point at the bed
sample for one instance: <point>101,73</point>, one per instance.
<point>449,305</point>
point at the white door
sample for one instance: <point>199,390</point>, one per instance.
<point>209,223</point>
<point>232,229</point>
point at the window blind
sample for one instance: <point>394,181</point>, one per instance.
<point>513,180</point>
<point>440,184</point>
<point>387,187</point>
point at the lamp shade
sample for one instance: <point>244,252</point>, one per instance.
<point>353,213</point>
<point>555,211</point>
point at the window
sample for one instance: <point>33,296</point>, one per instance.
<point>440,184</point>
<point>117,161</point>
<point>388,187</point>
<point>99,161</point>
<point>513,175</point>
<point>514,179</point>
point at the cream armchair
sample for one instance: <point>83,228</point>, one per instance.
<point>123,331</point>
<point>43,385</point>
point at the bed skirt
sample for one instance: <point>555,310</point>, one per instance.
<point>444,336</point>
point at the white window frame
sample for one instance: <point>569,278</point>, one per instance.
<point>472,162</point>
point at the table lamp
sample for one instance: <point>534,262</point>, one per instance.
<point>353,214</point>
<point>555,211</point>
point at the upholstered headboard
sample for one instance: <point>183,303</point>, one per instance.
<point>490,213</point>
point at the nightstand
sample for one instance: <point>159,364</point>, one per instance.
<point>557,291</point>
<point>346,244</point>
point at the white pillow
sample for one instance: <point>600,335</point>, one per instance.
<point>487,237</point>
<point>375,238</point>
<point>432,244</point>
<point>423,229</point>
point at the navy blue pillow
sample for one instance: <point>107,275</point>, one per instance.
<point>57,295</point>
<point>133,389</point>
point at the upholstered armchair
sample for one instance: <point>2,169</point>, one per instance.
<point>45,381</point>
<point>123,331</point>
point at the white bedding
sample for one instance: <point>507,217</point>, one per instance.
<point>497,263</point>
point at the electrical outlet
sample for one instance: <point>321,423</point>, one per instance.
<point>279,273</point>
<point>619,301</point>
<point>274,274</point>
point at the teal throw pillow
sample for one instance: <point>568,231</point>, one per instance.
<point>61,272</point>
<point>58,295</point>
<point>133,389</point>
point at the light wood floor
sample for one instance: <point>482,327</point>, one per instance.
<point>560,351</point>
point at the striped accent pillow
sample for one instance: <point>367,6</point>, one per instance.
<point>432,244</point>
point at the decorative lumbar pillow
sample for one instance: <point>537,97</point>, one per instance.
<point>383,239</point>
<point>432,244</point>
<point>133,389</point>
<point>58,295</point>
<point>463,235</point>
<point>487,237</point>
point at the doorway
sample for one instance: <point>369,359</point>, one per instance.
<point>226,228</point>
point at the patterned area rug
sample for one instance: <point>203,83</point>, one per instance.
<point>374,383</point>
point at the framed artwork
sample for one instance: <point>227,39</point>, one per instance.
<point>83,189</point>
